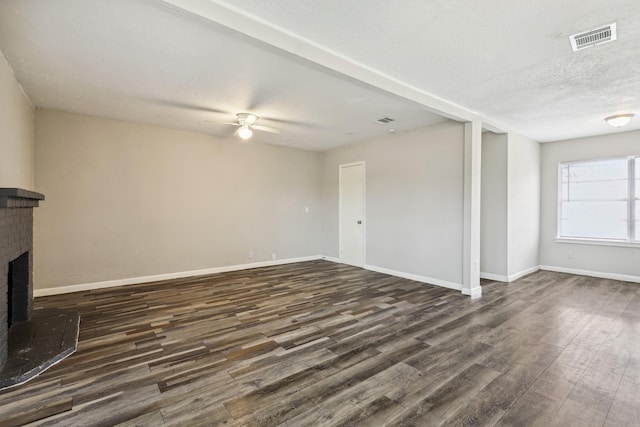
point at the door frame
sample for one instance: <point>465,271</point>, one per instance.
<point>364,209</point>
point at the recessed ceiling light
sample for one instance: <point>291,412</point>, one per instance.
<point>619,120</point>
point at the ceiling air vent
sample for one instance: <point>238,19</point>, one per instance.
<point>384,120</point>
<point>604,34</point>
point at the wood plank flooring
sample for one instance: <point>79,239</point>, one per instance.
<point>323,344</point>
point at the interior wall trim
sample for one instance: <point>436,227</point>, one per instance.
<point>473,292</point>
<point>516,276</point>
<point>494,277</point>
<point>182,274</point>
<point>168,276</point>
<point>410,276</point>
<point>511,277</point>
<point>598,274</point>
<point>416,277</point>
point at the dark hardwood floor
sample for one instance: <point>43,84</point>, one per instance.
<point>318,343</point>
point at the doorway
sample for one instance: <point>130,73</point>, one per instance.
<point>352,213</point>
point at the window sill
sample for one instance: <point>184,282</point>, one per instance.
<point>596,242</point>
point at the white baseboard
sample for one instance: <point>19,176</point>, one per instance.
<point>473,293</point>
<point>511,277</point>
<point>417,278</point>
<point>495,277</point>
<point>214,270</point>
<point>523,273</point>
<point>168,276</point>
<point>599,274</point>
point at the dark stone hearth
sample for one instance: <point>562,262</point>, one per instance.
<point>37,344</point>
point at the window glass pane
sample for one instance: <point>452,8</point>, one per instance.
<point>598,170</point>
<point>594,219</point>
<point>596,180</point>
<point>598,190</point>
<point>594,199</point>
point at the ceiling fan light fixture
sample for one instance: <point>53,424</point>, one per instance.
<point>245,132</point>
<point>619,120</point>
<point>250,118</point>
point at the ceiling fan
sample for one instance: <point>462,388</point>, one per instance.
<point>246,122</point>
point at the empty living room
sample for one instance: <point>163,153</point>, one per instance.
<point>319,213</point>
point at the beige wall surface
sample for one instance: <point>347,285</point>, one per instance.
<point>601,259</point>
<point>125,200</point>
<point>414,200</point>
<point>16,132</point>
<point>493,215</point>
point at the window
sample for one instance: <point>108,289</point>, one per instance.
<point>600,200</point>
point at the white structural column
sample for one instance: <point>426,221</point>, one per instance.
<point>471,245</point>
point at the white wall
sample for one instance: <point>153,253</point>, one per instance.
<point>414,201</point>
<point>494,206</point>
<point>16,127</point>
<point>510,218</point>
<point>524,205</point>
<point>125,200</point>
<point>605,260</point>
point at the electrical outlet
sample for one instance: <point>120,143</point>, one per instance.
<point>273,256</point>
<point>250,256</point>
<point>306,209</point>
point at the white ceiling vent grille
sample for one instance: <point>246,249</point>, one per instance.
<point>384,120</point>
<point>604,34</point>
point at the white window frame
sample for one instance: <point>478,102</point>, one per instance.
<point>631,213</point>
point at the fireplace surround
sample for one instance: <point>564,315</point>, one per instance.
<point>30,340</point>
<point>16,260</point>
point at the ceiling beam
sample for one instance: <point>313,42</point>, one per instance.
<point>241,21</point>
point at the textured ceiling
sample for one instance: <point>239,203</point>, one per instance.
<point>509,61</point>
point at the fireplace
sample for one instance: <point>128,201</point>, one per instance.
<point>16,247</point>
<point>30,340</point>
<point>18,295</point>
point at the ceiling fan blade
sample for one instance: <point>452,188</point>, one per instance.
<point>222,123</point>
<point>291,122</point>
<point>266,129</point>
<point>249,119</point>
<point>188,106</point>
